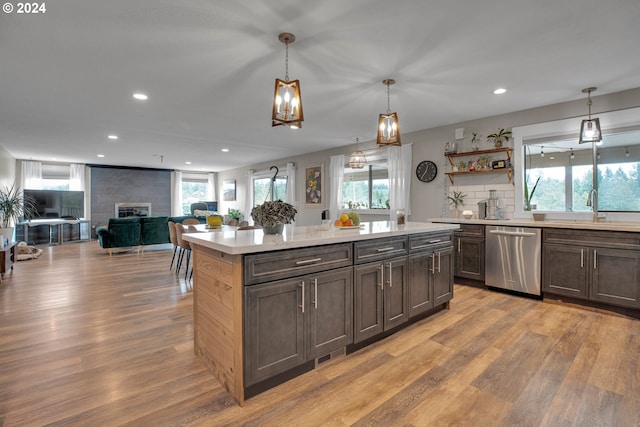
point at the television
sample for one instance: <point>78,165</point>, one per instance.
<point>57,203</point>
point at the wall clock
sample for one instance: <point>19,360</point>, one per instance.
<point>426,171</point>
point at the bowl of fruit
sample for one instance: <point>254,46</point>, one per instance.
<point>347,220</point>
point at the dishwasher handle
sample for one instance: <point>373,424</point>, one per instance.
<point>513,233</point>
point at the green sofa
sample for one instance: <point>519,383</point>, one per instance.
<point>137,232</point>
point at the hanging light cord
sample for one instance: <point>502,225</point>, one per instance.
<point>589,104</point>
<point>286,61</point>
<point>388,103</point>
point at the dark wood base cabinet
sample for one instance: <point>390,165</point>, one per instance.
<point>469,251</point>
<point>598,266</point>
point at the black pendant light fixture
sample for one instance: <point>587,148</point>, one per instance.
<point>357,159</point>
<point>590,128</point>
<point>287,101</point>
<point>388,126</point>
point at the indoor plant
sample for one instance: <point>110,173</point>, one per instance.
<point>234,214</point>
<point>14,207</point>
<point>528,195</point>
<point>273,215</point>
<point>456,200</point>
<point>498,137</point>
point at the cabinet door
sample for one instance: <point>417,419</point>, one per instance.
<point>330,312</point>
<point>615,276</point>
<point>420,288</point>
<point>368,300</point>
<point>396,294</point>
<point>469,257</point>
<point>442,276</point>
<point>274,328</point>
<point>565,270</point>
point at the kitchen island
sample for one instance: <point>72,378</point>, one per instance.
<point>270,307</point>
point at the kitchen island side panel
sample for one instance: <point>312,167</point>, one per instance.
<point>217,319</point>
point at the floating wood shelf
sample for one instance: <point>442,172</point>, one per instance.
<point>505,150</point>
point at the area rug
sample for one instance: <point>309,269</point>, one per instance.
<point>25,252</point>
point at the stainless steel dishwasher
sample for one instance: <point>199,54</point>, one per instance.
<point>512,259</point>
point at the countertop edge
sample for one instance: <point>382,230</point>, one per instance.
<point>632,227</point>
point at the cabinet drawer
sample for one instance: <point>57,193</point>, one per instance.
<point>471,230</point>
<point>603,239</point>
<point>429,241</point>
<point>377,249</point>
<point>268,266</point>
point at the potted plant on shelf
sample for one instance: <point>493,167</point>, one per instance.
<point>456,199</point>
<point>498,137</point>
<point>273,215</point>
<point>14,207</point>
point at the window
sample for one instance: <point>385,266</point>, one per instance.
<point>566,174</point>
<point>55,177</point>
<point>194,189</point>
<point>262,189</point>
<point>366,188</point>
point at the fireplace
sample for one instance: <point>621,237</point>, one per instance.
<point>124,210</point>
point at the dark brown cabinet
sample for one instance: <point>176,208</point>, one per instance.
<point>469,251</point>
<point>381,297</point>
<point>291,321</point>
<point>599,266</point>
<point>430,279</point>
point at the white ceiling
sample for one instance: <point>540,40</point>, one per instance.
<point>67,76</point>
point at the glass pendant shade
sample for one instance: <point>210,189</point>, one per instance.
<point>287,104</point>
<point>590,131</point>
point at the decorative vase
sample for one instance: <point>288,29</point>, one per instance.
<point>498,142</point>
<point>273,230</point>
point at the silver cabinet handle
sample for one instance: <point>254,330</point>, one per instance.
<point>390,276</point>
<point>435,241</point>
<point>420,246</point>
<point>438,262</point>
<point>315,293</point>
<point>381,283</point>
<point>302,305</point>
<point>595,259</point>
<point>308,261</point>
<point>581,258</point>
<point>433,263</point>
<point>389,248</point>
<point>458,245</point>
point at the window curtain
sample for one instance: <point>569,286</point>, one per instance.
<point>336,178</point>
<point>31,175</point>
<point>176,196</point>
<point>249,197</point>
<point>399,164</point>
<point>76,177</point>
<point>291,184</point>
<point>211,186</point>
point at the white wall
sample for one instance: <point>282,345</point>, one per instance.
<point>428,200</point>
<point>7,168</point>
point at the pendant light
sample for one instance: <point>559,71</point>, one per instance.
<point>388,126</point>
<point>357,159</point>
<point>590,128</point>
<point>287,101</point>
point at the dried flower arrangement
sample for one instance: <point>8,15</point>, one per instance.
<point>270,214</point>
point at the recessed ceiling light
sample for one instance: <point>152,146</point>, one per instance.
<point>100,155</point>
<point>225,150</point>
<point>140,96</point>
<point>499,91</point>
<point>187,163</point>
<point>112,136</point>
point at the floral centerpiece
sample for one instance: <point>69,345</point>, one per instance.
<point>273,215</point>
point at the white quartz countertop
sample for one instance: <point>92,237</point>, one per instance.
<point>232,241</point>
<point>578,225</point>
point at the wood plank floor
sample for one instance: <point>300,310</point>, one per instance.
<point>92,340</point>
